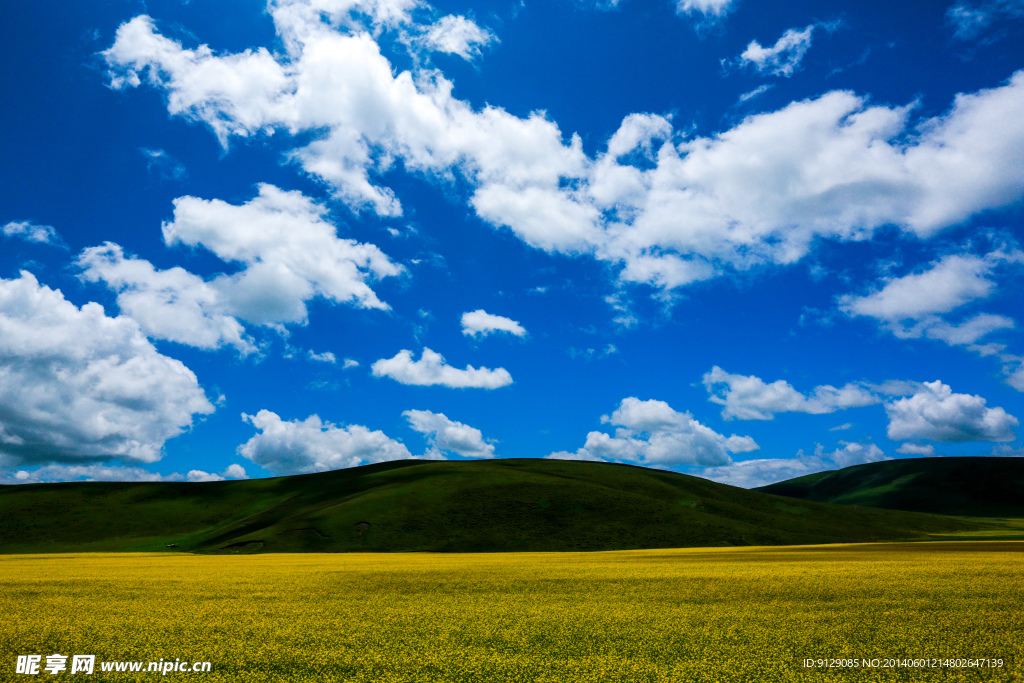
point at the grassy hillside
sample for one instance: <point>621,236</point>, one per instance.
<point>413,505</point>
<point>976,487</point>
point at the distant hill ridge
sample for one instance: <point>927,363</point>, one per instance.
<point>415,505</point>
<point>975,487</point>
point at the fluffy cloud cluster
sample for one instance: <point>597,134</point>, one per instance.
<point>652,433</point>
<point>937,414</point>
<point>432,370</point>
<point>667,210</point>
<point>310,445</point>
<point>752,473</point>
<point>76,385</point>
<point>782,58</point>
<point>444,434</point>
<point>288,254</point>
<point>457,35</point>
<point>234,471</point>
<point>747,397</point>
<point>31,232</point>
<point>482,323</point>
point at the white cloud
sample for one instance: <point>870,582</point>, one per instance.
<point>741,444</point>
<point>948,284</point>
<point>752,473</point>
<point>58,473</point>
<point>747,397</point>
<point>349,363</point>
<point>652,433</point>
<point>756,92</point>
<point>707,8</point>
<point>431,370</point>
<point>235,471</point>
<point>937,414</point>
<point>479,322</point>
<point>448,435</point>
<point>170,304</point>
<point>289,255</point>
<point>314,446</point>
<point>1015,377</point>
<point>199,475</point>
<point>762,192</point>
<point>927,450</point>
<point>290,252</point>
<point>325,357</point>
<point>967,332</point>
<point>457,35</point>
<point>76,385</point>
<point>918,304</point>
<point>32,232</point>
<point>782,58</point>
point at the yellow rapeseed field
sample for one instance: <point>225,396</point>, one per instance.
<point>729,614</point>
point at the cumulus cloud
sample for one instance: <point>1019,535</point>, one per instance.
<point>171,304</point>
<point>937,414</point>
<point>747,397</point>
<point>751,473</point>
<point>741,444</point>
<point>431,370</point>
<point>32,232</point>
<point>325,357</point>
<point>76,385</point>
<point>288,253</point>
<point>199,475</point>
<point>311,445</point>
<point>669,214</point>
<point>481,323</point>
<point>784,57</point>
<point>653,433</point>
<point>444,434</point>
<point>457,35</point>
<point>1015,376</point>
<point>234,471</point>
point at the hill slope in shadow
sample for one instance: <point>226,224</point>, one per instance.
<point>415,505</point>
<point>975,487</point>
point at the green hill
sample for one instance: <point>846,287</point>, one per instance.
<point>415,505</point>
<point>975,487</point>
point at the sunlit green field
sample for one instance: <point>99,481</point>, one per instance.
<point>729,614</point>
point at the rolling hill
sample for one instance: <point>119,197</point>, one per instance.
<point>415,505</point>
<point>975,487</point>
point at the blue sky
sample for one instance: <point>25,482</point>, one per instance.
<point>724,237</point>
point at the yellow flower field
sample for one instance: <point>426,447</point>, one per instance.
<point>728,614</point>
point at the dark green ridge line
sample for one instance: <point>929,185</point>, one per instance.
<point>442,506</point>
<point>963,486</point>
